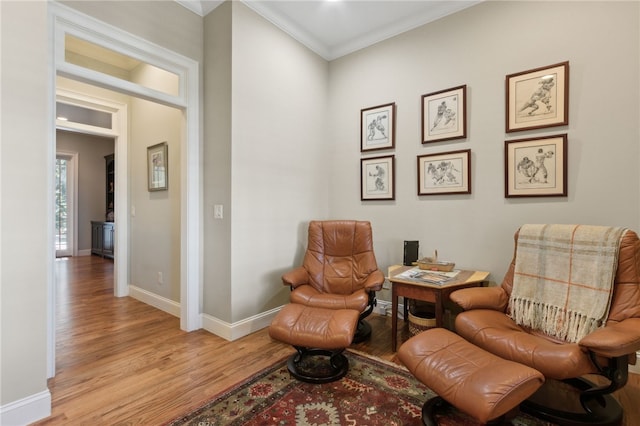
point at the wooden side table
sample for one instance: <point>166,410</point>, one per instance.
<point>437,294</point>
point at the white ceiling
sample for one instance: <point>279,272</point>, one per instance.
<point>334,28</point>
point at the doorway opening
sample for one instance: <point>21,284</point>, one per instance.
<point>69,25</point>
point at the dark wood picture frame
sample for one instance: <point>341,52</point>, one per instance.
<point>445,173</point>
<point>377,178</point>
<point>158,167</point>
<point>444,115</point>
<point>537,98</point>
<point>378,127</point>
<point>536,167</point>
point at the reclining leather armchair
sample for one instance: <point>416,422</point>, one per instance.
<point>606,352</point>
<point>339,270</point>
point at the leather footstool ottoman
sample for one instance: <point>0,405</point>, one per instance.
<point>474,381</point>
<point>316,333</point>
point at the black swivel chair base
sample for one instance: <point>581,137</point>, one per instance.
<point>555,404</point>
<point>429,410</point>
<point>363,332</point>
<point>311,365</point>
<point>431,407</point>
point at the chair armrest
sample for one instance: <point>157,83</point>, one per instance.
<point>374,281</point>
<point>296,277</point>
<point>614,340</point>
<point>494,298</point>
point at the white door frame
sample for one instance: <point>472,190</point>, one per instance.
<point>118,132</point>
<point>65,20</point>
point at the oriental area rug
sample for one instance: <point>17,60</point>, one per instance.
<point>374,392</point>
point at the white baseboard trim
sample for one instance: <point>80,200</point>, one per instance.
<point>26,410</point>
<point>167,305</point>
<point>386,306</point>
<point>635,368</point>
<point>86,252</point>
<point>241,328</point>
<point>210,323</point>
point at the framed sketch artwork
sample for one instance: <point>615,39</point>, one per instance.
<point>377,178</point>
<point>377,127</point>
<point>444,115</point>
<point>538,98</point>
<point>445,173</point>
<point>536,167</point>
<point>157,167</point>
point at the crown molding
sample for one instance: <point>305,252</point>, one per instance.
<point>200,7</point>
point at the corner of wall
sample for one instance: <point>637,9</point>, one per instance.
<point>234,331</point>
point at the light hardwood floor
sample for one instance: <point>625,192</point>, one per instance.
<point>119,361</point>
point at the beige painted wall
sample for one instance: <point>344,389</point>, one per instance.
<point>479,47</point>
<point>155,229</point>
<point>26,147</point>
<point>265,150</point>
<point>280,158</point>
<point>165,23</point>
<point>216,158</point>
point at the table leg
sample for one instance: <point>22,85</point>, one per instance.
<point>439,309</point>
<point>394,317</point>
<point>406,308</point>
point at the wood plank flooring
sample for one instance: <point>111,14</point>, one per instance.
<point>121,362</point>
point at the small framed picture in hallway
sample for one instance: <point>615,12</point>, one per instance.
<point>158,167</point>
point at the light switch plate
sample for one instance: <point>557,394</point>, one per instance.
<point>218,211</point>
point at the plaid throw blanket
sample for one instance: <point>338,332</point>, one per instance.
<point>564,277</point>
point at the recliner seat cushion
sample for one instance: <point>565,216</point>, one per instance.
<point>495,332</point>
<point>317,328</point>
<point>309,296</point>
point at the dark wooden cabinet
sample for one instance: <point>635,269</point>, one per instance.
<point>102,232</point>
<point>102,238</point>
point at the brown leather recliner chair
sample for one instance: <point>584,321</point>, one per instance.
<point>567,397</point>
<point>339,270</point>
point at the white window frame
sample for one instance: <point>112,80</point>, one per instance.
<point>72,205</point>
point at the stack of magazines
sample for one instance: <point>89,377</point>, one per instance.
<point>432,277</point>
